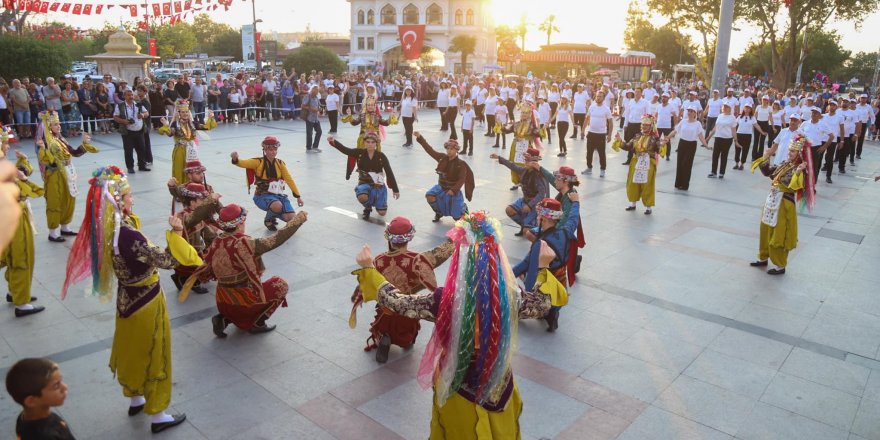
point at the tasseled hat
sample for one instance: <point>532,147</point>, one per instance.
<point>567,174</point>
<point>271,142</point>
<point>193,191</point>
<point>451,143</point>
<point>182,105</point>
<point>231,216</point>
<point>532,154</point>
<point>550,208</point>
<point>194,166</point>
<point>371,135</point>
<point>400,231</point>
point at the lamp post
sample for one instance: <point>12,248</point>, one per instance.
<point>256,42</point>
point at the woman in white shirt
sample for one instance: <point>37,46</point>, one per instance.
<point>501,114</point>
<point>544,118</point>
<point>233,103</point>
<point>409,113</point>
<point>745,125</point>
<point>452,111</point>
<point>491,104</point>
<point>562,119</point>
<point>332,103</point>
<point>777,118</point>
<point>690,131</point>
<point>723,131</point>
<point>553,100</point>
<point>763,113</point>
<point>442,103</point>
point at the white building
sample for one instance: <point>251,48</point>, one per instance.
<point>375,40</point>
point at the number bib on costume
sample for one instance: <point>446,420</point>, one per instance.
<point>520,147</point>
<point>70,171</point>
<point>770,214</point>
<point>192,152</point>
<point>277,187</point>
<point>378,178</point>
<point>643,163</point>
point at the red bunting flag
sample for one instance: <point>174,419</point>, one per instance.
<point>65,7</point>
<point>174,18</point>
<point>9,4</point>
<point>157,9</point>
<point>166,8</point>
<point>21,4</point>
<point>54,7</point>
<point>177,8</point>
<point>34,7</point>
<point>77,9</point>
<point>87,9</point>
<point>133,9</point>
<point>44,7</point>
<point>187,5</point>
<point>98,9</point>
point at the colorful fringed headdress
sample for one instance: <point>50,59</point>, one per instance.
<point>806,196</point>
<point>98,239</point>
<point>182,105</point>
<point>475,330</point>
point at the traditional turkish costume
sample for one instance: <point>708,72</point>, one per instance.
<point>535,187</point>
<point>453,175</point>
<point>642,174</point>
<point>18,257</point>
<point>184,132</point>
<point>374,175</point>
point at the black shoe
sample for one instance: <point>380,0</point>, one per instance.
<point>711,175</point>
<point>552,320</point>
<point>19,313</point>
<point>471,153</point>
<point>68,233</point>
<point>437,218</point>
<point>625,163</point>
<point>520,233</point>
<point>57,239</point>
<point>257,329</point>
<point>495,146</point>
<point>219,324</point>
<point>9,298</point>
<point>859,157</point>
<point>131,171</point>
<point>721,176</point>
<point>270,226</point>
<point>630,208</point>
<point>667,158</point>
<point>159,427</point>
<point>842,172</point>
<point>572,137</point>
<point>382,349</point>
<point>176,280</point>
<point>144,169</point>
<point>514,187</point>
<point>776,271</point>
<point>758,263</point>
<point>366,213</point>
<point>828,180</point>
<point>648,211</point>
<point>199,289</point>
<point>135,410</point>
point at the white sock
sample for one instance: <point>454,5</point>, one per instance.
<point>162,417</point>
<point>55,233</point>
<point>138,401</point>
<point>25,307</point>
<point>65,228</point>
<point>632,204</point>
<point>778,268</point>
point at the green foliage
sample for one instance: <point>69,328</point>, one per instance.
<point>860,66</point>
<point>668,45</point>
<point>216,39</point>
<point>227,43</point>
<point>319,58</point>
<point>548,27</point>
<point>33,58</point>
<point>464,44</point>
<point>824,54</point>
<point>175,40</point>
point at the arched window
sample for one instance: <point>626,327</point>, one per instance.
<point>458,17</point>
<point>434,14</point>
<point>371,17</point>
<point>470,17</point>
<point>410,14</point>
<point>361,17</point>
<point>389,15</point>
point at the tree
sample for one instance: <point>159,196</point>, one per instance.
<point>318,58</point>
<point>173,40</point>
<point>667,44</point>
<point>783,23</point>
<point>228,43</point>
<point>548,27</point>
<point>22,57</point>
<point>824,54</point>
<point>700,17</point>
<point>208,32</point>
<point>466,45</point>
<point>861,67</point>
<point>522,29</point>
<point>13,20</point>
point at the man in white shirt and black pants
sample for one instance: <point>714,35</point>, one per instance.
<point>666,119</point>
<point>579,110</point>
<point>865,115</point>
<point>820,137</point>
<point>130,115</point>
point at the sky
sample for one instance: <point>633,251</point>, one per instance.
<point>579,21</point>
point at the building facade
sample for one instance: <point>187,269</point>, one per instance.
<point>574,57</point>
<point>375,42</point>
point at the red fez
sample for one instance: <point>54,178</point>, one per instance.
<point>271,141</point>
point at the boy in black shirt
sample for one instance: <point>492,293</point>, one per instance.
<point>36,384</point>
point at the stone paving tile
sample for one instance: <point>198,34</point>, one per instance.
<point>595,328</point>
<point>767,422</point>
<point>595,425</point>
<point>549,412</point>
<point>685,328</point>
<point>344,422</point>
<point>631,376</point>
<point>837,374</point>
<point>404,409</point>
<point>751,348</point>
<point>301,379</point>
<point>866,422</point>
<point>660,350</point>
<point>731,374</point>
<point>773,319</point>
<point>812,400</point>
<point>656,423</point>
<point>872,389</point>
<point>706,404</point>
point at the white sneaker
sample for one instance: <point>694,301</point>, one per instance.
<point>602,173</point>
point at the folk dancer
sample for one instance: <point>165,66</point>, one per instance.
<point>195,173</point>
<point>199,208</point>
<point>411,272</point>
<point>566,182</point>
<point>559,240</point>
<point>112,250</point>
<point>791,180</point>
<point>468,360</point>
<point>184,130</point>
<point>526,134</point>
<point>18,257</point>
<point>59,175</point>
<point>374,172</point>
<point>235,261</point>
<point>446,197</point>
<point>370,121</point>
<point>272,179</point>
<point>642,172</point>
<point>535,187</point>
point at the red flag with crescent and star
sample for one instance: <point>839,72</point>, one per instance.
<point>412,38</point>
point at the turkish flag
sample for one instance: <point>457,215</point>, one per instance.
<point>54,7</point>
<point>65,7</point>
<point>133,9</point>
<point>157,9</point>
<point>87,9</point>
<point>166,8</point>
<point>77,9</point>
<point>412,38</point>
<point>187,5</point>
<point>177,7</point>
<point>98,9</point>
<point>152,47</point>
<point>35,6</point>
<point>9,4</point>
<point>44,7</point>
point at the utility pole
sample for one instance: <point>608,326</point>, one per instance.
<point>876,82</point>
<point>256,43</point>
<point>722,46</point>
<point>797,79</point>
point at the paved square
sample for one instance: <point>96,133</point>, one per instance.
<point>668,333</point>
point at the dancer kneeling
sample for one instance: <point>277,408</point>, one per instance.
<point>535,187</point>
<point>272,179</point>
<point>468,359</point>
<point>445,197</point>
<point>235,261</point>
<point>374,170</point>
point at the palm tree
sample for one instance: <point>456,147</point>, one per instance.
<point>466,45</point>
<point>548,27</point>
<point>522,29</point>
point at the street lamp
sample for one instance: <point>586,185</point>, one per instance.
<point>256,41</point>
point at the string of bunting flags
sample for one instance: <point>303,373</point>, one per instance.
<point>177,10</point>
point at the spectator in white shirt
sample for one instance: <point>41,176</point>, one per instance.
<point>467,128</point>
<point>581,98</point>
<point>598,125</point>
<point>820,137</point>
<point>638,108</point>
<point>713,109</point>
<point>544,118</point>
<point>723,131</point>
<point>562,119</point>
<point>667,118</point>
<point>746,127</point>
<point>690,131</point>
<point>332,103</point>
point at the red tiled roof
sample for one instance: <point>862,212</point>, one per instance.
<point>574,58</point>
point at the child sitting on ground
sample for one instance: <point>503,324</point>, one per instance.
<point>36,384</point>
